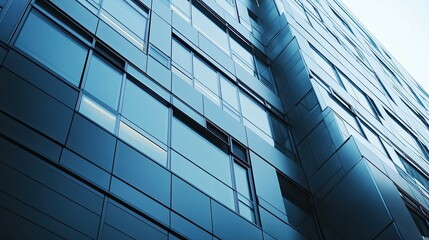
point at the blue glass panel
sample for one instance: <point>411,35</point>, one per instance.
<point>183,8</point>
<point>142,144</point>
<point>255,113</point>
<point>103,82</point>
<point>246,211</point>
<point>228,6</point>
<point>229,93</point>
<point>201,152</point>
<point>206,75</point>
<point>242,56</point>
<point>202,180</point>
<point>145,111</point>
<point>241,181</point>
<point>98,114</point>
<point>52,46</point>
<point>127,18</point>
<point>206,26</point>
<point>182,56</point>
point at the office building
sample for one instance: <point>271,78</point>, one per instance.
<point>206,119</point>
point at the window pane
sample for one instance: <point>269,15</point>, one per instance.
<point>229,6</point>
<point>206,75</point>
<point>246,211</point>
<point>145,111</point>
<point>298,205</point>
<point>298,8</point>
<point>254,113</point>
<point>98,114</point>
<point>265,75</point>
<point>422,224</point>
<point>210,29</point>
<point>325,64</point>
<point>242,181</point>
<point>399,130</point>
<point>258,131</point>
<point>373,138</point>
<point>202,180</point>
<point>181,75</point>
<point>52,46</point>
<point>242,55</point>
<point>201,152</point>
<point>128,18</point>
<point>104,81</point>
<point>182,56</point>
<point>281,133</point>
<point>206,92</point>
<point>183,6</point>
<point>142,144</point>
<point>229,93</point>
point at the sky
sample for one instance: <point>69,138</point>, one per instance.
<point>402,27</point>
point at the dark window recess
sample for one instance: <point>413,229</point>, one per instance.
<point>414,173</point>
<point>298,206</point>
<point>419,216</point>
<point>216,131</point>
<point>253,15</point>
<point>239,151</point>
<point>421,222</point>
<point>211,133</point>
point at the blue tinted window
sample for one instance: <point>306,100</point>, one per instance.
<point>201,152</point>
<point>97,113</point>
<point>145,111</point>
<point>128,18</point>
<point>228,6</point>
<point>230,98</point>
<point>325,65</point>
<point>103,82</point>
<point>206,75</point>
<point>202,180</point>
<point>143,144</point>
<point>255,113</point>
<point>242,56</point>
<point>182,56</point>
<point>264,74</point>
<point>52,46</point>
<point>373,138</point>
<point>206,26</point>
<point>182,8</point>
<point>281,133</point>
<point>242,181</point>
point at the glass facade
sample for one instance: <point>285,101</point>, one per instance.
<point>220,119</point>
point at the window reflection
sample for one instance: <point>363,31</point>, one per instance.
<point>142,144</point>
<point>325,65</point>
<point>209,29</point>
<point>202,180</point>
<point>255,114</point>
<point>228,6</point>
<point>242,181</point>
<point>201,152</point>
<point>206,165</point>
<point>182,56</point>
<point>103,81</point>
<point>49,44</point>
<point>128,17</point>
<point>145,111</point>
<point>298,206</point>
<point>98,114</point>
<point>206,75</point>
